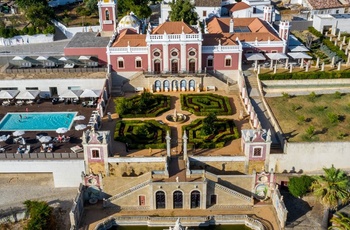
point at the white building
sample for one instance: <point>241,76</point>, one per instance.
<point>317,7</point>
<point>332,22</point>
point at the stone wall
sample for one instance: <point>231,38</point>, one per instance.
<point>134,169</point>
<point>311,157</point>
<point>219,167</point>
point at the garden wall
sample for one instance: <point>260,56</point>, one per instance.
<point>304,87</point>
<point>71,31</point>
<point>26,39</point>
<point>311,157</point>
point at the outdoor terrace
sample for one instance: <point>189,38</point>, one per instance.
<point>60,150</point>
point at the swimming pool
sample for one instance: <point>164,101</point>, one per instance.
<point>49,121</point>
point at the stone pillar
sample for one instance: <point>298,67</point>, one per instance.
<point>318,62</point>
<point>290,68</point>
<point>341,46</point>
<point>184,142</point>
<point>256,65</point>
<point>275,68</point>
<point>271,65</point>
<point>322,67</point>
<point>338,36</point>
<point>344,39</point>
<point>333,61</point>
<point>307,68</point>
<point>339,65</point>
<point>168,145</point>
<point>165,58</point>
<point>335,42</point>
<point>330,38</point>
<point>286,66</point>
<point>346,51</point>
<point>199,58</point>
<point>348,61</point>
<point>149,68</point>
<point>259,69</point>
<point>302,63</point>
<point>183,57</point>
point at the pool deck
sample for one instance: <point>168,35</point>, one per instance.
<point>30,136</point>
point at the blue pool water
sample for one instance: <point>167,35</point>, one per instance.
<point>37,121</point>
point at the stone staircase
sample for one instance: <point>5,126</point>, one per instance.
<point>231,191</point>
<point>130,190</point>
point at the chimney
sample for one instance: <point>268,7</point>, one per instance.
<point>231,26</point>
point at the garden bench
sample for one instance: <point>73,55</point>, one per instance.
<point>139,89</point>
<point>211,87</point>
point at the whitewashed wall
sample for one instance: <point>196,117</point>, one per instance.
<point>311,157</point>
<point>61,84</point>
<point>71,31</point>
<point>66,173</point>
<point>26,39</point>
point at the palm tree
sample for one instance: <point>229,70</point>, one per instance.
<point>339,222</point>
<point>332,188</point>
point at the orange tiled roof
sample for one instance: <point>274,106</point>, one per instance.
<point>258,28</point>
<point>174,28</point>
<point>324,4</point>
<point>131,38</point>
<point>238,6</point>
<point>226,39</point>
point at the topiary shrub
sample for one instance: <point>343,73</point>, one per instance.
<point>300,186</point>
<point>41,216</point>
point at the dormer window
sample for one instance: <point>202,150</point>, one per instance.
<point>95,153</point>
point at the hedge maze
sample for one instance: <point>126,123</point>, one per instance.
<point>224,130</point>
<point>141,134</point>
<point>204,104</point>
<point>144,105</point>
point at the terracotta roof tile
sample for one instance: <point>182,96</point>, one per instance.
<point>239,6</point>
<point>226,39</point>
<point>324,4</point>
<point>129,37</point>
<point>207,3</point>
<point>174,28</point>
<point>258,28</point>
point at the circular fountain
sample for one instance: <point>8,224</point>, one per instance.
<point>176,117</point>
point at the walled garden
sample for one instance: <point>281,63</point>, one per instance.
<point>204,104</point>
<point>313,117</point>
<point>210,132</point>
<point>141,134</point>
<point>144,105</point>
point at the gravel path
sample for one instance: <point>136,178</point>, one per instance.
<point>17,188</point>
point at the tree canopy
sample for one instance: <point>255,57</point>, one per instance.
<point>299,186</point>
<point>139,7</point>
<point>332,188</point>
<point>183,10</point>
<point>340,221</point>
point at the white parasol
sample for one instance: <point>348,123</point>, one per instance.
<point>3,138</point>
<point>80,127</point>
<point>79,118</point>
<point>45,139</point>
<point>61,130</point>
<point>18,133</point>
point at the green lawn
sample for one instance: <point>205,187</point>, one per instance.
<point>317,118</point>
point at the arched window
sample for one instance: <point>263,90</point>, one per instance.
<point>178,199</point>
<point>107,14</point>
<point>228,61</point>
<point>195,199</point>
<point>160,200</point>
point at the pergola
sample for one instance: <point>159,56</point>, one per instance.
<point>276,57</point>
<point>255,57</point>
<point>300,55</point>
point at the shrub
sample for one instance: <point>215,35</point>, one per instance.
<point>310,131</point>
<point>41,216</point>
<point>333,118</point>
<point>300,186</point>
<point>337,95</point>
<point>301,119</point>
<point>285,96</point>
<point>312,97</point>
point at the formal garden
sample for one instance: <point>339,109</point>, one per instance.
<point>144,105</point>
<point>313,117</point>
<point>139,134</point>
<point>210,132</point>
<point>205,104</point>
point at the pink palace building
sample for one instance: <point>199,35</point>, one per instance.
<point>175,56</point>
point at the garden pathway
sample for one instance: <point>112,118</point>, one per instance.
<point>176,129</point>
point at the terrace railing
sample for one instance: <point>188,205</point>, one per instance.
<point>56,70</point>
<point>41,156</point>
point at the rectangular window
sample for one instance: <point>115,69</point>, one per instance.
<point>228,62</point>
<point>274,51</point>
<point>120,64</point>
<point>138,64</point>
<point>73,87</point>
<point>257,152</point>
<point>204,13</point>
<point>95,153</point>
<point>210,63</point>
